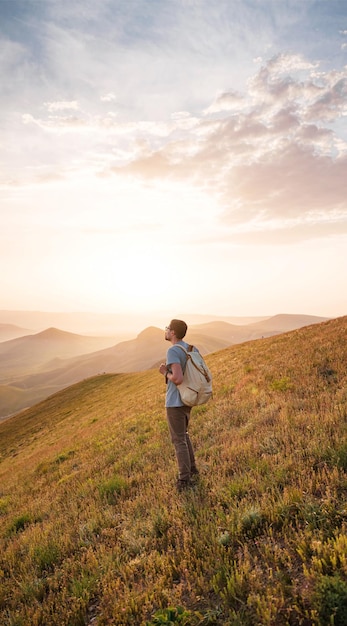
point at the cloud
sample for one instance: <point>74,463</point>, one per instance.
<point>293,183</point>
<point>229,101</point>
<point>269,154</point>
<point>269,149</point>
<point>61,106</point>
<point>108,97</point>
<point>291,233</point>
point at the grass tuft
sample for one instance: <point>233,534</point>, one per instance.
<point>331,600</point>
<point>112,488</point>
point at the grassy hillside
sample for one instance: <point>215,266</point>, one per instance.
<point>34,367</point>
<point>93,532</point>
<point>46,375</point>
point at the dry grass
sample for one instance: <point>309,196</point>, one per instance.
<point>93,532</point>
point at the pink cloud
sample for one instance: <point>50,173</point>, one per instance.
<point>270,155</point>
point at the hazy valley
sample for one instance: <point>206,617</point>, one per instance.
<point>39,364</point>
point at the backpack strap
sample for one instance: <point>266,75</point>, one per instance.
<point>190,349</point>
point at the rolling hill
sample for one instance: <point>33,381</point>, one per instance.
<point>32,352</point>
<point>265,328</point>
<point>92,530</point>
<point>35,366</point>
<point>11,331</point>
<point>138,354</point>
<point>122,326</point>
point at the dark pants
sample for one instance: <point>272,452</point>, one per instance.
<point>178,420</point>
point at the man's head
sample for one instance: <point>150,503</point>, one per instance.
<point>178,327</point>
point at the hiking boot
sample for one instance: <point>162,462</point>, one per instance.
<point>182,485</point>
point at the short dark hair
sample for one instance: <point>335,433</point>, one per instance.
<point>179,327</point>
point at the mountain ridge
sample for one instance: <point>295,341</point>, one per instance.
<point>11,331</point>
<point>40,364</point>
<point>107,323</point>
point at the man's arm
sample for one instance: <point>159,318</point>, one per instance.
<point>176,374</point>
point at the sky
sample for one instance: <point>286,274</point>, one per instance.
<point>174,155</point>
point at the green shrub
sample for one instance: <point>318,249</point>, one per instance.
<point>171,616</point>
<point>252,522</point>
<point>331,601</point>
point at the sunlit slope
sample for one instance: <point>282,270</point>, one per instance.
<point>34,367</point>
<point>129,356</point>
<point>92,526</point>
<point>263,328</point>
<point>35,352</point>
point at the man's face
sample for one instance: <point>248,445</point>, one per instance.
<point>168,333</point>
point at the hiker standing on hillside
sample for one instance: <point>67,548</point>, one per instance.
<point>176,412</point>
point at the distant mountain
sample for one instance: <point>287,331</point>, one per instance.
<point>265,328</point>
<point>200,318</point>
<point>138,354</point>
<point>283,322</point>
<point>35,366</point>
<point>10,331</point>
<point>82,323</point>
<point>122,326</point>
<point>224,331</point>
<point>31,352</point>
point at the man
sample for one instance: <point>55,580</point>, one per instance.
<point>176,412</point>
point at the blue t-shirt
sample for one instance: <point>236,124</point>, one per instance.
<point>175,355</point>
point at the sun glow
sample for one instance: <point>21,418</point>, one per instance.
<point>127,247</point>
